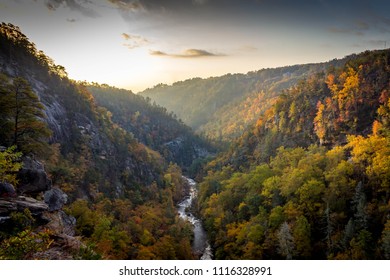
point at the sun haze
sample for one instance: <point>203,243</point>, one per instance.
<point>136,44</point>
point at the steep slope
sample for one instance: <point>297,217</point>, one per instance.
<point>151,125</point>
<point>322,109</point>
<point>121,192</point>
<point>310,180</point>
<point>77,124</point>
<point>222,107</point>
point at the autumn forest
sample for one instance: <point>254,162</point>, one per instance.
<point>290,162</point>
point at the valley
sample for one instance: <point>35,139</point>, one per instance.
<point>200,245</point>
<point>289,163</point>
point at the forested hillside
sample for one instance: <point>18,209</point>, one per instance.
<point>121,192</point>
<point>152,125</point>
<point>90,171</point>
<point>222,107</point>
<point>309,180</point>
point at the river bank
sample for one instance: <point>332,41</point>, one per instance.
<point>200,244</point>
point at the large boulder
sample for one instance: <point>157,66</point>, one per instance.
<point>7,190</point>
<point>55,198</point>
<point>32,178</point>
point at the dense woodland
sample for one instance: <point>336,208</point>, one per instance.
<point>122,192</point>
<point>220,108</point>
<point>304,174</point>
<point>152,125</point>
<point>310,179</point>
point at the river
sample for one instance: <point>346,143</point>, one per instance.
<point>200,244</point>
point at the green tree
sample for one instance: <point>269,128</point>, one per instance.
<point>22,115</point>
<point>24,245</point>
<point>361,246</point>
<point>319,123</point>
<point>386,240</point>
<point>4,107</point>
<point>276,217</point>
<point>9,165</point>
<point>302,237</point>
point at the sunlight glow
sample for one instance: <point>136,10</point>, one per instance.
<point>137,49</point>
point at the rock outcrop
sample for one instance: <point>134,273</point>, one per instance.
<point>7,190</point>
<point>60,223</point>
<point>65,244</point>
<point>47,215</point>
<point>8,205</point>
<point>32,178</point>
<point>55,199</point>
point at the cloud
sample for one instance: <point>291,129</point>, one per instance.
<point>358,28</point>
<point>158,53</point>
<point>127,5</point>
<point>166,5</point>
<point>75,5</point>
<point>338,30</point>
<point>362,25</point>
<point>189,53</point>
<point>134,41</point>
<point>126,36</point>
<point>351,31</point>
<point>248,48</point>
<point>378,43</point>
<point>382,23</point>
<point>199,2</point>
<point>326,46</point>
<point>196,53</point>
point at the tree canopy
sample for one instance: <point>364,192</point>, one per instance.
<point>22,116</point>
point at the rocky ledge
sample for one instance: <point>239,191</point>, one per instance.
<point>34,183</point>
<point>19,203</point>
<point>32,178</point>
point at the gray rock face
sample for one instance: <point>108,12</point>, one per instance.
<point>35,206</point>
<point>55,198</point>
<point>7,207</point>
<point>56,119</point>
<point>32,177</point>
<point>69,223</point>
<point>20,203</point>
<point>7,190</point>
<point>4,219</point>
<point>60,223</point>
<point>183,150</point>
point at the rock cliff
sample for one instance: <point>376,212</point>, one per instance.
<point>46,215</point>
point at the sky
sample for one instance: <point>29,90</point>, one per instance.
<point>136,44</point>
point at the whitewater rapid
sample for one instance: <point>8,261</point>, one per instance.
<point>200,244</point>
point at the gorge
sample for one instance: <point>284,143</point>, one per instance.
<point>200,244</point>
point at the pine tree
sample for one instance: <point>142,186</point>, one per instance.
<point>22,116</point>
<point>302,237</point>
<point>386,240</point>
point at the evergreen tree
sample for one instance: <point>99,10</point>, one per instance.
<point>386,240</point>
<point>22,116</point>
